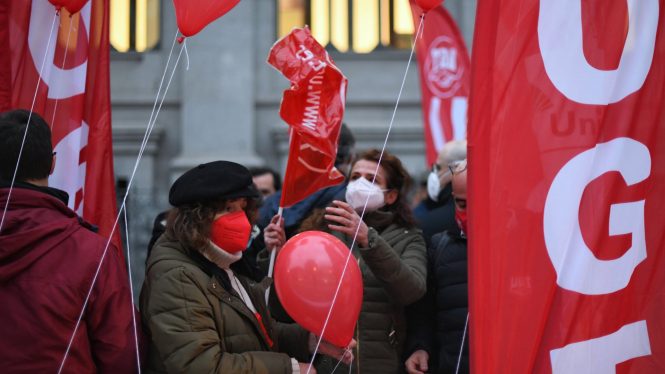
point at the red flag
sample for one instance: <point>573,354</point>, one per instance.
<point>314,108</point>
<point>73,98</point>
<point>567,187</point>
<point>445,71</point>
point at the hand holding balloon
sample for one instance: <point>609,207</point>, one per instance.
<point>343,354</point>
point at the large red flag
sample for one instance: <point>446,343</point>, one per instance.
<point>445,79</point>
<point>567,187</point>
<point>73,98</point>
<point>313,107</point>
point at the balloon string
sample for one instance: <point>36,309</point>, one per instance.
<point>184,44</point>
<point>339,362</point>
<point>64,59</point>
<point>27,125</point>
<point>151,123</point>
<point>362,214</point>
<point>461,349</point>
<point>131,292</point>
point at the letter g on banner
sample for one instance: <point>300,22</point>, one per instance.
<point>560,39</point>
<point>576,266</point>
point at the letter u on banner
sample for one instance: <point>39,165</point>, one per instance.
<point>560,39</point>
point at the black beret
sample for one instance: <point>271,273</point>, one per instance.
<point>212,181</point>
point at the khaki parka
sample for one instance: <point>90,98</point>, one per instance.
<point>394,271</point>
<point>195,325</point>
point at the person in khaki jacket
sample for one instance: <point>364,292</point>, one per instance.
<point>391,254</point>
<point>201,314</point>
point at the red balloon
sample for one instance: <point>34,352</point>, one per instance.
<point>193,16</point>
<point>72,6</point>
<point>307,272</point>
<point>428,5</point>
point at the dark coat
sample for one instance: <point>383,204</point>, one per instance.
<point>198,324</point>
<point>434,217</point>
<point>48,258</point>
<point>437,321</point>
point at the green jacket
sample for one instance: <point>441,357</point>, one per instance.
<point>195,325</point>
<point>394,270</point>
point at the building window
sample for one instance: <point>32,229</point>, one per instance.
<point>135,25</point>
<point>359,26</point>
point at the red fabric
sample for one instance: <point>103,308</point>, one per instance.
<point>567,178</point>
<point>445,79</point>
<point>47,262</point>
<point>5,61</point>
<point>193,16</point>
<point>80,91</point>
<point>314,108</point>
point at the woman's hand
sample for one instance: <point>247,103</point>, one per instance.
<point>417,362</point>
<point>305,368</point>
<point>343,354</point>
<point>274,235</point>
<point>346,221</point>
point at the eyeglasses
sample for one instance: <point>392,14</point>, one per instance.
<point>457,167</point>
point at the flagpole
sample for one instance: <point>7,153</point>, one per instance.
<point>273,255</point>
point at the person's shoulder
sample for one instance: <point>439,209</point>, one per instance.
<point>168,255</point>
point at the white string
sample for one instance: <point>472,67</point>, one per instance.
<point>131,292</point>
<point>461,349</point>
<point>362,214</point>
<point>27,125</point>
<point>184,43</point>
<point>340,361</point>
<point>151,124</point>
<point>64,59</point>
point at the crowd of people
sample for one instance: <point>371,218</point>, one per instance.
<point>203,305</point>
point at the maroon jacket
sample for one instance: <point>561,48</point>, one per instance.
<point>48,258</point>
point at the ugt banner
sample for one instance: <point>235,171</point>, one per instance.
<point>445,79</point>
<point>567,187</point>
<point>73,95</point>
<point>313,107</point>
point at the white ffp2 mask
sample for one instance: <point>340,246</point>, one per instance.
<point>361,190</point>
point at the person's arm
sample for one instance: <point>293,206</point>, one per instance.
<point>185,334</point>
<point>404,276</point>
<point>109,319</point>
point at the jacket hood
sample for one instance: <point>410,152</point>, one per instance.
<point>36,223</point>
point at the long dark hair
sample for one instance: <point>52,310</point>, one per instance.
<point>398,179</point>
<point>190,224</point>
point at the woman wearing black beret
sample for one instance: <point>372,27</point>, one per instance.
<point>200,313</point>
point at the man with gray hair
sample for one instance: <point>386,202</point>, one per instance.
<point>437,212</point>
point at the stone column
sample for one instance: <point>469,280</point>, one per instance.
<point>218,92</point>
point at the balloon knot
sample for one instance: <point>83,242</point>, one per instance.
<point>181,39</point>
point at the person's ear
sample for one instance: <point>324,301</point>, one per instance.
<point>52,165</point>
<point>391,196</point>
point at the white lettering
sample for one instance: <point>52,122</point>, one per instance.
<point>601,355</point>
<point>560,39</point>
<point>577,268</point>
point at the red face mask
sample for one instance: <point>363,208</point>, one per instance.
<point>460,218</point>
<point>230,232</point>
